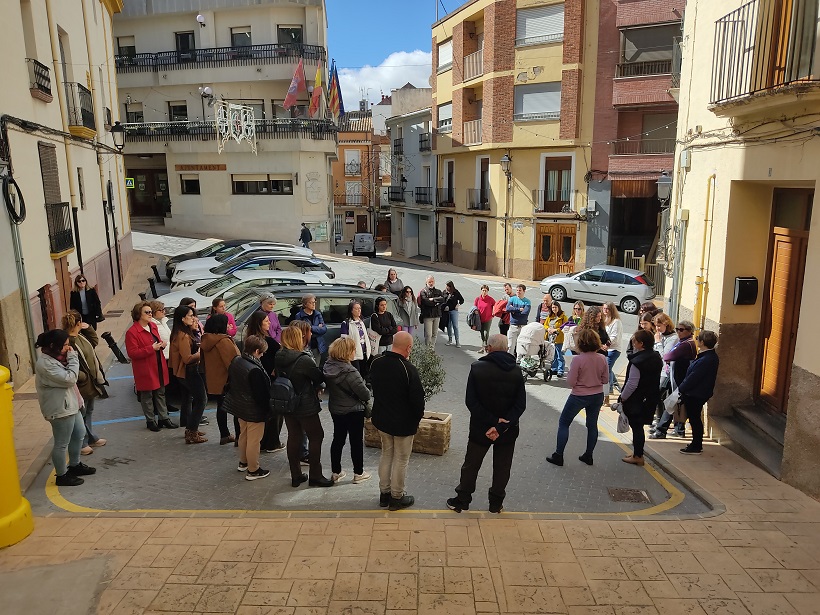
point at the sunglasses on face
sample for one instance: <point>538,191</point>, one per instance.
<point>80,281</point>
<point>149,312</point>
<point>681,329</point>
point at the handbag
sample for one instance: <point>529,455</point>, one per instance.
<point>375,339</point>
<point>569,339</point>
<point>679,414</point>
<point>671,401</point>
<point>623,421</point>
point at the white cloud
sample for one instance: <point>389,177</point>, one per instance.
<point>396,70</point>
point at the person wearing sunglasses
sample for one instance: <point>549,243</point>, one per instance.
<point>86,301</point>
<point>682,354</point>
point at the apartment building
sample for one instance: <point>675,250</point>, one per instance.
<point>513,93</point>
<point>57,106</point>
<point>746,227</point>
<point>636,113</point>
<point>174,61</point>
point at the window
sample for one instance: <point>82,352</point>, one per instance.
<point>241,37</point>
<point>445,117</point>
<point>614,277</point>
<point>189,184</point>
<point>126,46</point>
<point>289,35</point>
<point>539,25</point>
<point>593,275</point>
<point>538,101</point>
<point>281,186</point>
<point>186,46</point>
<point>178,111</point>
<point>650,44</point>
<point>296,111</point>
<point>250,184</point>
<point>334,309</point>
<point>133,113</point>
<point>557,183</point>
<point>445,55</point>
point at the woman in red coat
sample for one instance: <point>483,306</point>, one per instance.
<point>144,347</point>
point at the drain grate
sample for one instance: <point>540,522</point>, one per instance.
<point>113,313</point>
<point>633,496</point>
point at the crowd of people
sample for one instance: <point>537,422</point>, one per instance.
<point>277,376</point>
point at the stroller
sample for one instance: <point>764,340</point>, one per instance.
<point>535,351</point>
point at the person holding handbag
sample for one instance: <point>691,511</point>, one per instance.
<point>218,351</point>
<point>185,363</point>
<point>355,329</point>
<point>554,325</point>
<point>349,397</point>
<point>698,386</point>
<point>383,324</point>
<point>640,395</point>
<point>682,354</point>
<point>86,301</point>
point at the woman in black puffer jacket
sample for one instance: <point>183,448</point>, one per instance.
<point>293,362</point>
<point>348,397</point>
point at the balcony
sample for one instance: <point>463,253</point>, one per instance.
<point>60,237</point>
<point>284,128</point>
<point>762,47</point>
<point>353,169</point>
<point>677,61</point>
<point>478,199</point>
<point>80,111</point>
<point>395,194</point>
<point>537,117</point>
<point>445,197</point>
<point>349,200</point>
<point>474,65</point>
<point>472,132</point>
<point>635,147</point>
<point>215,57</point>
<point>552,201</point>
<point>423,195</point>
<point>39,78</point>
<point>398,147</point>
<point>425,144</point>
<point>642,69</point>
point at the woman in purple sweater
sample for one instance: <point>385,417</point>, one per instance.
<point>588,373</point>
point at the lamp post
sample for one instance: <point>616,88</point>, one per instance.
<point>118,134</point>
<point>506,164</point>
<point>506,167</point>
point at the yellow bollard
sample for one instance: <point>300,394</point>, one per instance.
<point>16,521</point>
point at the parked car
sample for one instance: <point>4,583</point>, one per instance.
<point>364,244</point>
<point>627,288</point>
<point>234,283</point>
<point>276,261</point>
<point>331,300</point>
<point>215,249</point>
<point>239,252</point>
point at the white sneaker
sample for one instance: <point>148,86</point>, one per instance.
<point>360,478</point>
<point>458,345</point>
<point>337,477</point>
<point>449,343</point>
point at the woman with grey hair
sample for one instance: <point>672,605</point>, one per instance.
<point>312,316</point>
<point>267,301</point>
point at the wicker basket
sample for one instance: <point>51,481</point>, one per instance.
<point>433,436</point>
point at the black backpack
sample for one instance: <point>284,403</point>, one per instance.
<point>473,320</point>
<point>283,396</point>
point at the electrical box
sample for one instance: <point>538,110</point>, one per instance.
<point>685,159</point>
<point>745,291</point>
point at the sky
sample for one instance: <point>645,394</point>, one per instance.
<point>380,45</point>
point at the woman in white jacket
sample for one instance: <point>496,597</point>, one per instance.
<point>356,329</point>
<point>161,321</point>
<point>615,331</point>
<point>56,374</point>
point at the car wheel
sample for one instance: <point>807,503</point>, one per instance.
<point>558,293</point>
<point>630,305</point>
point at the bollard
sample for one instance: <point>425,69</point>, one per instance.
<point>346,253</point>
<point>142,297</point>
<point>156,273</point>
<point>16,521</point>
<point>153,286</point>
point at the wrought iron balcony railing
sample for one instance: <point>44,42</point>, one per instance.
<point>60,237</point>
<point>284,128</point>
<point>423,195</point>
<point>39,77</point>
<point>80,106</point>
<point>552,201</point>
<point>478,199</point>
<point>425,144</point>
<point>395,194</point>
<point>644,69</point>
<point>445,197</point>
<point>677,61</point>
<point>353,168</point>
<point>398,147</point>
<point>635,147</point>
<point>537,117</point>
<point>350,200</point>
<point>215,57</point>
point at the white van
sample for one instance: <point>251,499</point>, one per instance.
<point>364,244</point>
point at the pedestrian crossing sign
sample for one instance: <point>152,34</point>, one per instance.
<point>129,182</point>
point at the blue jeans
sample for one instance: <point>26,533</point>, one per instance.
<point>611,357</point>
<point>558,364</point>
<point>575,403</point>
<point>68,433</point>
<point>88,414</point>
<point>452,325</point>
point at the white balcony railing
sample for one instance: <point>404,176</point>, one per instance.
<point>472,132</point>
<point>474,65</point>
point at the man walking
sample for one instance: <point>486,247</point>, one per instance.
<point>398,405</point>
<point>430,301</point>
<point>496,400</point>
<point>698,386</point>
<point>305,236</point>
<point>518,307</point>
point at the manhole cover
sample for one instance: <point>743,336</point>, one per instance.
<point>634,496</point>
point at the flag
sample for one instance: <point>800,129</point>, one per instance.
<point>316,98</point>
<point>297,84</point>
<point>335,103</point>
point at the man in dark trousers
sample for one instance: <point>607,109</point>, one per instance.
<point>398,406</point>
<point>698,387</point>
<point>305,236</point>
<point>496,400</point>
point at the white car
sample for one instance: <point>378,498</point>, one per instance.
<point>273,261</point>
<point>626,288</point>
<point>203,292</point>
<point>256,247</point>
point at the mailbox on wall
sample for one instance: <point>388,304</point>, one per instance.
<point>745,291</point>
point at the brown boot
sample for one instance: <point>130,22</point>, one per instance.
<point>638,461</point>
<point>193,437</point>
<point>606,400</point>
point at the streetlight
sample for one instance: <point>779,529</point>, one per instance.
<point>118,134</point>
<point>403,183</point>
<point>506,162</point>
<point>664,184</point>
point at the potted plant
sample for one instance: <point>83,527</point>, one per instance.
<point>433,436</point>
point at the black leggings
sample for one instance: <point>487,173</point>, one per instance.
<point>194,397</point>
<point>638,437</point>
<point>312,427</point>
<point>346,426</point>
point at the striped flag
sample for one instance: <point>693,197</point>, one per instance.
<point>297,85</point>
<point>316,98</point>
<point>335,103</point>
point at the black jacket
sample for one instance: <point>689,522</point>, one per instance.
<point>699,383</point>
<point>346,387</point>
<point>495,389</point>
<point>384,325</point>
<point>300,368</point>
<point>430,302</point>
<point>93,301</point>
<point>248,395</point>
<point>398,396</point>
<point>451,300</point>
<point>641,405</point>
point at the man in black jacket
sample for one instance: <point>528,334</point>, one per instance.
<point>496,400</point>
<point>398,405</point>
<point>698,387</point>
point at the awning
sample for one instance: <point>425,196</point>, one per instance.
<point>634,188</point>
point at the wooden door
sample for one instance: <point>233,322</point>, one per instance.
<point>566,248</point>
<point>361,223</point>
<point>448,240</point>
<point>481,247</point>
<point>546,251</point>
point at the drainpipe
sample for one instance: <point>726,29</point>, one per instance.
<point>114,226</point>
<point>77,238</point>
<point>702,280</point>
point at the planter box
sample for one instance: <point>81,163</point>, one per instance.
<point>433,436</point>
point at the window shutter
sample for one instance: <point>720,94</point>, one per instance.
<point>445,112</point>
<point>353,156</point>
<point>542,24</point>
<point>538,101</point>
<point>445,54</point>
<point>50,173</point>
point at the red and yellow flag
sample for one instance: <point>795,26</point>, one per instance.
<point>297,85</point>
<point>316,99</point>
<point>334,94</point>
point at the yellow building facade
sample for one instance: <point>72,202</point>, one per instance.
<point>513,105</point>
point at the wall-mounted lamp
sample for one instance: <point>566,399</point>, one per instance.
<point>118,134</point>
<point>506,165</point>
<point>403,183</point>
<point>200,19</point>
<point>664,184</point>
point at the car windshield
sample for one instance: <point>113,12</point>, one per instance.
<point>217,286</point>
<point>223,269</point>
<point>211,249</point>
<point>229,254</point>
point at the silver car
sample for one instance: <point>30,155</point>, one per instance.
<point>627,288</point>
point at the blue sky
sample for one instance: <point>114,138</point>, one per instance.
<point>379,45</point>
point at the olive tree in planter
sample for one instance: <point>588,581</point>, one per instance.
<point>433,436</point>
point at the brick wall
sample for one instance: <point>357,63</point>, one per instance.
<point>570,103</point>
<point>606,116</point>
<point>464,43</point>
<point>499,36</point>
<point>641,164</point>
<point>498,108</point>
<point>647,90</point>
<point>435,64</point>
<point>573,31</point>
<point>630,124</point>
<point>640,12</point>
